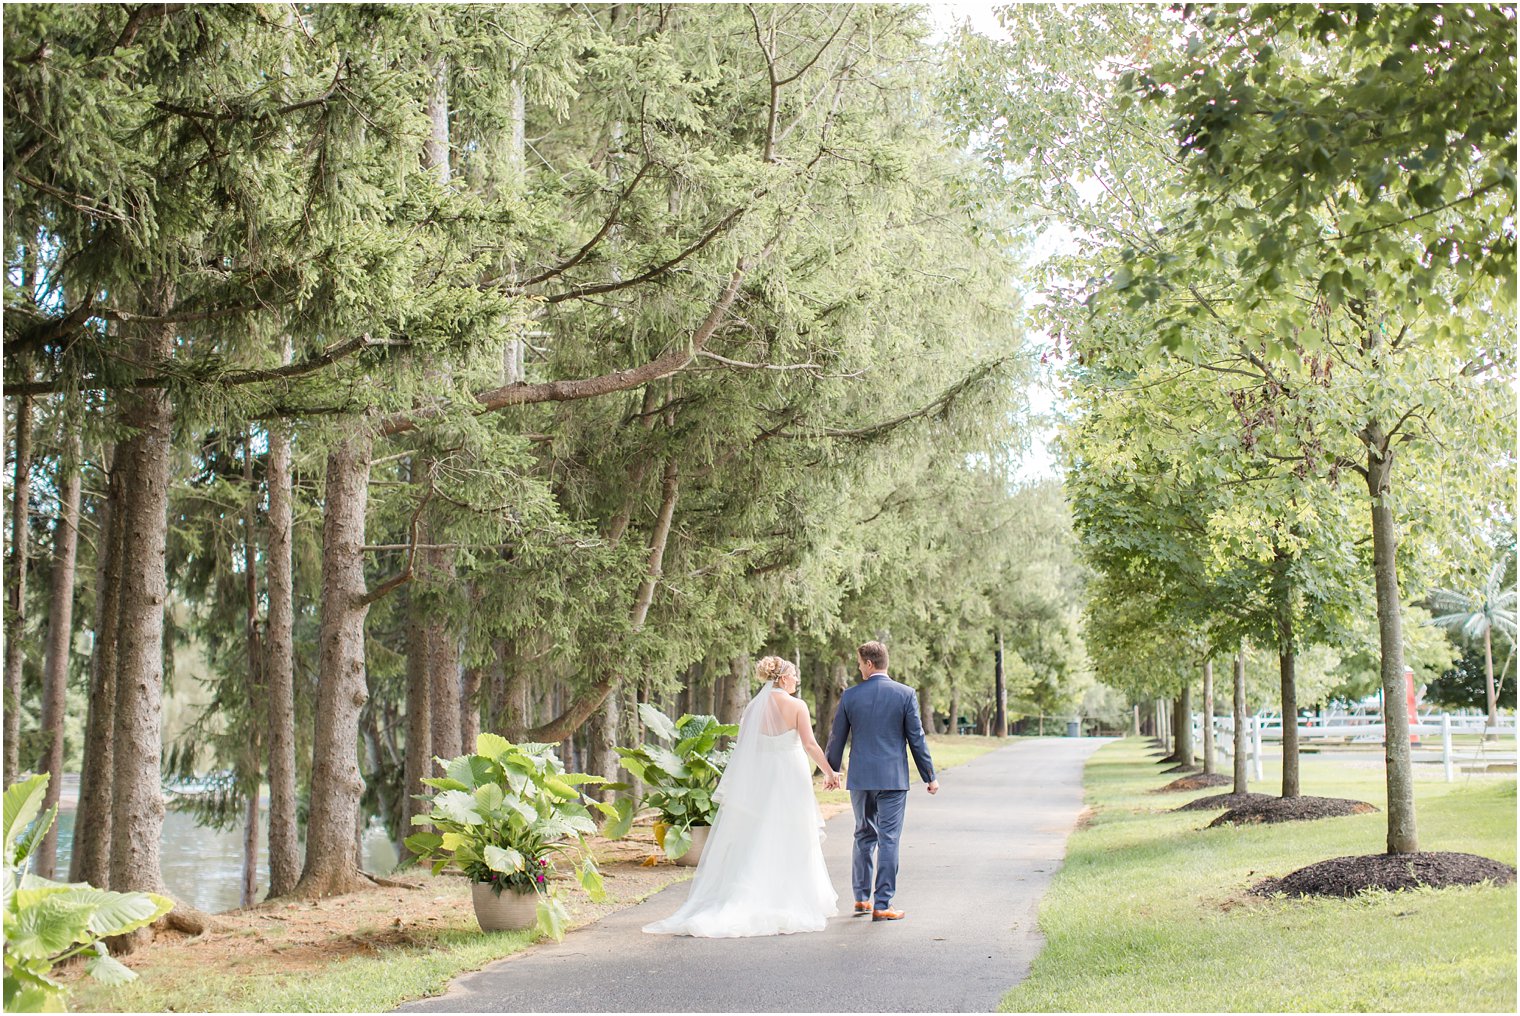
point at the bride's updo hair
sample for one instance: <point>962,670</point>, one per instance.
<point>771,668</point>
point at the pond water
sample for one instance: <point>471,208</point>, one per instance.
<point>204,867</point>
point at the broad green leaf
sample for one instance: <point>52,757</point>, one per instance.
<point>591,880</point>
<point>34,835</point>
<point>491,745</point>
<point>658,723</point>
<point>623,811</point>
<point>46,926</point>
<point>107,970</point>
<point>470,770</point>
<point>503,859</point>
<point>668,761</point>
<point>677,841</point>
<point>22,802</point>
<point>636,766</point>
<point>456,806</point>
<point>552,917</point>
<point>423,844</point>
<point>489,798</point>
<point>118,913</point>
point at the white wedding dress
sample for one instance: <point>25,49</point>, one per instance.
<point>762,870</point>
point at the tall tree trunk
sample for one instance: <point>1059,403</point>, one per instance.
<point>15,621</point>
<point>955,708</point>
<point>1287,668</point>
<point>838,680</point>
<point>253,750</point>
<point>137,805</point>
<point>1208,717</point>
<point>90,860</point>
<point>1242,784</point>
<point>1185,752</point>
<point>1000,691</point>
<point>55,676</point>
<point>602,736</point>
<point>517,700</point>
<point>926,710</point>
<point>442,661</point>
<point>279,666</point>
<point>336,784</point>
<point>739,676</point>
<point>1403,837</point>
<point>1488,673</point>
<point>436,565</point>
<point>469,707</point>
<point>419,724</point>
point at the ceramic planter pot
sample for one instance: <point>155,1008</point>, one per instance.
<point>509,910</point>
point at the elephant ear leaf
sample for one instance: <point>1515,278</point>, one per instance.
<point>23,800</point>
<point>677,842</point>
<point>591,880</point>
<point>106,969</point>
<point>457,806</point>
<point>119,913</point>
<point>34,835</point>
<point>658,723</point>
<point>46,923</point>
<point>491,745</point>
<point>552,917</point>
<point>503,859</point>
<point>620,814</point>
<point>471,770</point>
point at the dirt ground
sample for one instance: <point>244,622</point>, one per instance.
<point>1347,876</point>
<point>296,936</point>
<point>291,937</point>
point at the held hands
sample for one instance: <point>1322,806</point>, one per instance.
<point>932,786</point>
<point>831,781</point>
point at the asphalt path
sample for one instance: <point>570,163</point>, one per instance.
<point>976,859</point>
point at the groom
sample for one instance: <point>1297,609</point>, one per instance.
<point>880,718</point>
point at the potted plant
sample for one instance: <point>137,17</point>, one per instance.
<point>679,780</point>
<point>505,816</point>
<point>47,922</point>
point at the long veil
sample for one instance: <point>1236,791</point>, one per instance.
<point>747,771</point>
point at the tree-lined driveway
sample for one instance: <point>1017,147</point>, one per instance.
<point>976,860</point>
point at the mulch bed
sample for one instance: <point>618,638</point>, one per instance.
<point>1195,782</point>
<point>1347,876</point>
<point>1184,769</point>
<point>1214,802</point>
<point>1291,809</point>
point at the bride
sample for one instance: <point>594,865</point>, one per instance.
<point>762,870</point>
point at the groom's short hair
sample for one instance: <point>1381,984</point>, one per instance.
<point>875,654</point>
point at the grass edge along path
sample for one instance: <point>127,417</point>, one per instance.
<point>1149,912</point>
<point>376,967</point>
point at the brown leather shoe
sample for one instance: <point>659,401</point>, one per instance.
<point>862,907</point>
<point>887,915</point>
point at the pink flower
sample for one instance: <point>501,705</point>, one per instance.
<point>540,878</point>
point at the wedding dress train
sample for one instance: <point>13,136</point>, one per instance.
<point>762,870</point>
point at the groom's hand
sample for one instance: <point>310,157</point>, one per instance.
<point>932,786</point>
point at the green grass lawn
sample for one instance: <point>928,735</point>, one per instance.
<point>1149,912</point>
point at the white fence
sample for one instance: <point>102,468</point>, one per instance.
<point>1351,728</point>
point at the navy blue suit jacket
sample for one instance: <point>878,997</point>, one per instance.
<point>879,717</point>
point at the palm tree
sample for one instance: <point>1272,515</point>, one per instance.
<point>1477,614</point>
